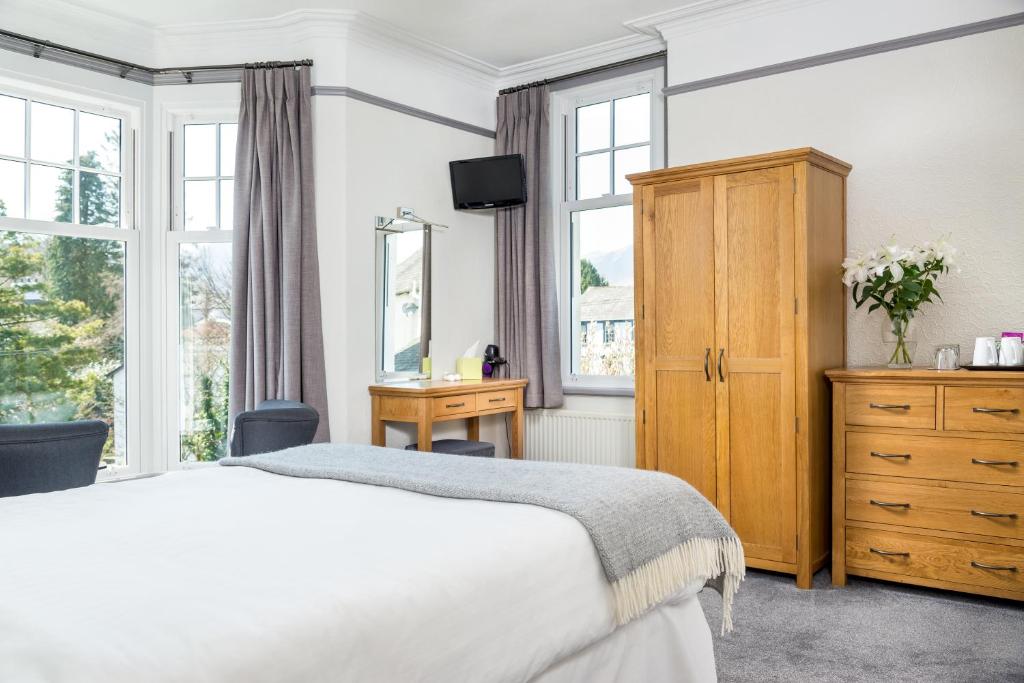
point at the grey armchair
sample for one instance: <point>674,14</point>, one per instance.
<point>38,458</point>
<point>273,426</point>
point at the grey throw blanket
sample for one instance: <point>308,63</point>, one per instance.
<point>653,532</point>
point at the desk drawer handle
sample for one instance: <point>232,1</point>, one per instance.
<point>876,454</point>
<point>1014,411</point>
<point>982,513</point>
<point>496,400</point>
<point>890,406</point>
<point>883,504</point>
<point>1009,463</point>
<point>454,405</point>
<point>888,553</point>
<point>994,567</point>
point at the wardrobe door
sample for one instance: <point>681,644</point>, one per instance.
<point>756,412</point>
<point>679,330</point>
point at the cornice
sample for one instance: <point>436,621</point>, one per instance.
<point>608,52</point>
<point>700,15</point>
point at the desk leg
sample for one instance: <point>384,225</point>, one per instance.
<point>377,425</point>
<point>516,446</point>
<point>473,428</point>
<point>425,427</point>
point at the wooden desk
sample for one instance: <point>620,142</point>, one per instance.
<point>428,401</point>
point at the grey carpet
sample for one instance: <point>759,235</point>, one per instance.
<point>868,631</point>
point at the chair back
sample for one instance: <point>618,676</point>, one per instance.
<point>38,458</point>
<point>273,426</point>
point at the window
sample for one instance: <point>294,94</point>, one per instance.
<point>199,268</point>
<point>609,130</point>
<point>68,260</point>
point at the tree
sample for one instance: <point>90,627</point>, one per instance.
<point>208,440</point>
<point>589,277</point>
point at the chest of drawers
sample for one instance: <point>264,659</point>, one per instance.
<point>928,478</point>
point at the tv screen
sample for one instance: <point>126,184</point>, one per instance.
<point>489,182</point>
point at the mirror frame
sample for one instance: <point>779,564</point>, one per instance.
<point>378,334</point>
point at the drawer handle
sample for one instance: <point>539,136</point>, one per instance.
<point>888,553</point>
<point>1014,411</point>
<point>876,454</point>
<point>994,567</point>
<point>1009,463</point>
<point>454,405</point>
<point>496,400</point>
<point>883,504</point>
<point>890,406</point>
<point>982,513</point>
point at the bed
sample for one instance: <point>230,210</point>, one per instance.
<point>237,574</point>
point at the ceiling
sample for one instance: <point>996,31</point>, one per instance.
<point>499,32</point>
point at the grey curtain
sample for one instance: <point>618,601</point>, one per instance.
<point>526,299</point>
<point>277,348</point>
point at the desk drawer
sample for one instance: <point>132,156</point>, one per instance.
<point>495,400</point>
<point>984,409</point>
<point>890,405</point>
<point>990,513</point>
<point>942,559</point>
<point>984,461</point>
<point>454,405</point>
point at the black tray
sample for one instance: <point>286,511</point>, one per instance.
<point>997,368</point>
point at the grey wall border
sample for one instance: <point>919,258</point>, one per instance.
<point>345,91</point>
<point>850,53</point>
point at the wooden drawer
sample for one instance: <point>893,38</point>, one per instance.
<point>984,409</point>
<point>890,405</point>
<point>454,405</point>
<point>933,507</point>
<point>984,461</point>
<point>941,559</point>
<point>496,400</point>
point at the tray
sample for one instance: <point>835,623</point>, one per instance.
<point>996,368</point>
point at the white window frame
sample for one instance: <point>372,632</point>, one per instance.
<point>128,232</point>
<point>563,106</point>
<point>174,236</point>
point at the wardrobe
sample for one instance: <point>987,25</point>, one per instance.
<point>740,308</point>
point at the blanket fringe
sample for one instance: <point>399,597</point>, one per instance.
<point>698,558</point>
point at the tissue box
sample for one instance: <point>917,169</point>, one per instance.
<point>470,368</point>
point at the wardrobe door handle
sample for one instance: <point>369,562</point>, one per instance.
<point>1015,411</point>
<point>883,504</point>
<point>888,456</point>
<point>887,406</point>
<point>1010,463</point>
<point>994,567</point>
<point>721,375</point>
<point>888,553</point>
<point>982,513</point>
<point>707,364</point>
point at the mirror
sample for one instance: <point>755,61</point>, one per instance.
<point>403,301</point>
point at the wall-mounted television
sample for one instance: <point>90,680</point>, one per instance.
<point>488,182</point>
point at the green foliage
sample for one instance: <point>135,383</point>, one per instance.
<point>589,277</point>
<point>901,298</point>
<point>208,441</point>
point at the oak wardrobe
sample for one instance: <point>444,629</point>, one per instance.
<point>740,309</point>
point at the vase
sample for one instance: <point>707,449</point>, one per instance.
<point>898,340</point>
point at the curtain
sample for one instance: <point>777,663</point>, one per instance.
<point>277,349</point>
<point>526,299</point>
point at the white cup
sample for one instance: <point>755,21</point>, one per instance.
<point>1011,351</point>
<point>985,351</point>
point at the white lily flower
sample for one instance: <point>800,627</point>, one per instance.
<point>897,271</point>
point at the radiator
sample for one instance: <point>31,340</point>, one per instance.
<point>570,436</point>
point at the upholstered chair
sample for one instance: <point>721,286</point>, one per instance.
<point>38,458</point>
<point>273,426</point>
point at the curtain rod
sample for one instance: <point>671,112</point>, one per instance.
<point>584,72</point>
<point>39,46</point>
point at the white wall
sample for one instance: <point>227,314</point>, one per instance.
<point>936,140</point>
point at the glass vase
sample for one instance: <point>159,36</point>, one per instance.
<point>899,341</point>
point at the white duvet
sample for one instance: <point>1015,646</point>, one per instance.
<point>233,574</point>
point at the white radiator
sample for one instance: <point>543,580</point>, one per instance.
<point>569,436</point>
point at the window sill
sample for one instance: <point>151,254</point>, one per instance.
<point>577,390</point>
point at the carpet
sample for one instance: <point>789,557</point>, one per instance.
<point>867,631</point>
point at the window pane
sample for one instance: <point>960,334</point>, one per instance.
<point>204,336</point>
<point>12,126</point>
<point>593,127</point>
<point>227,204</point>
<point>99,142</point>
<point>592,175</point>
<point>228,134</point>
<point>53,133</point>
<point>603,291</point>
<point>200,150</point>
<point>62,347</point>
<point>632,160</point>
<point>99,199</point>
<point>50,198</point>
<point>12,189</point>
<point>633,119</point>
<point>200,204</point>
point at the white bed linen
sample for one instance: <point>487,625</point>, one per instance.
<point>233,574</point>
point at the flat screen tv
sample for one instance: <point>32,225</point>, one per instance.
<point>489,182</point>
